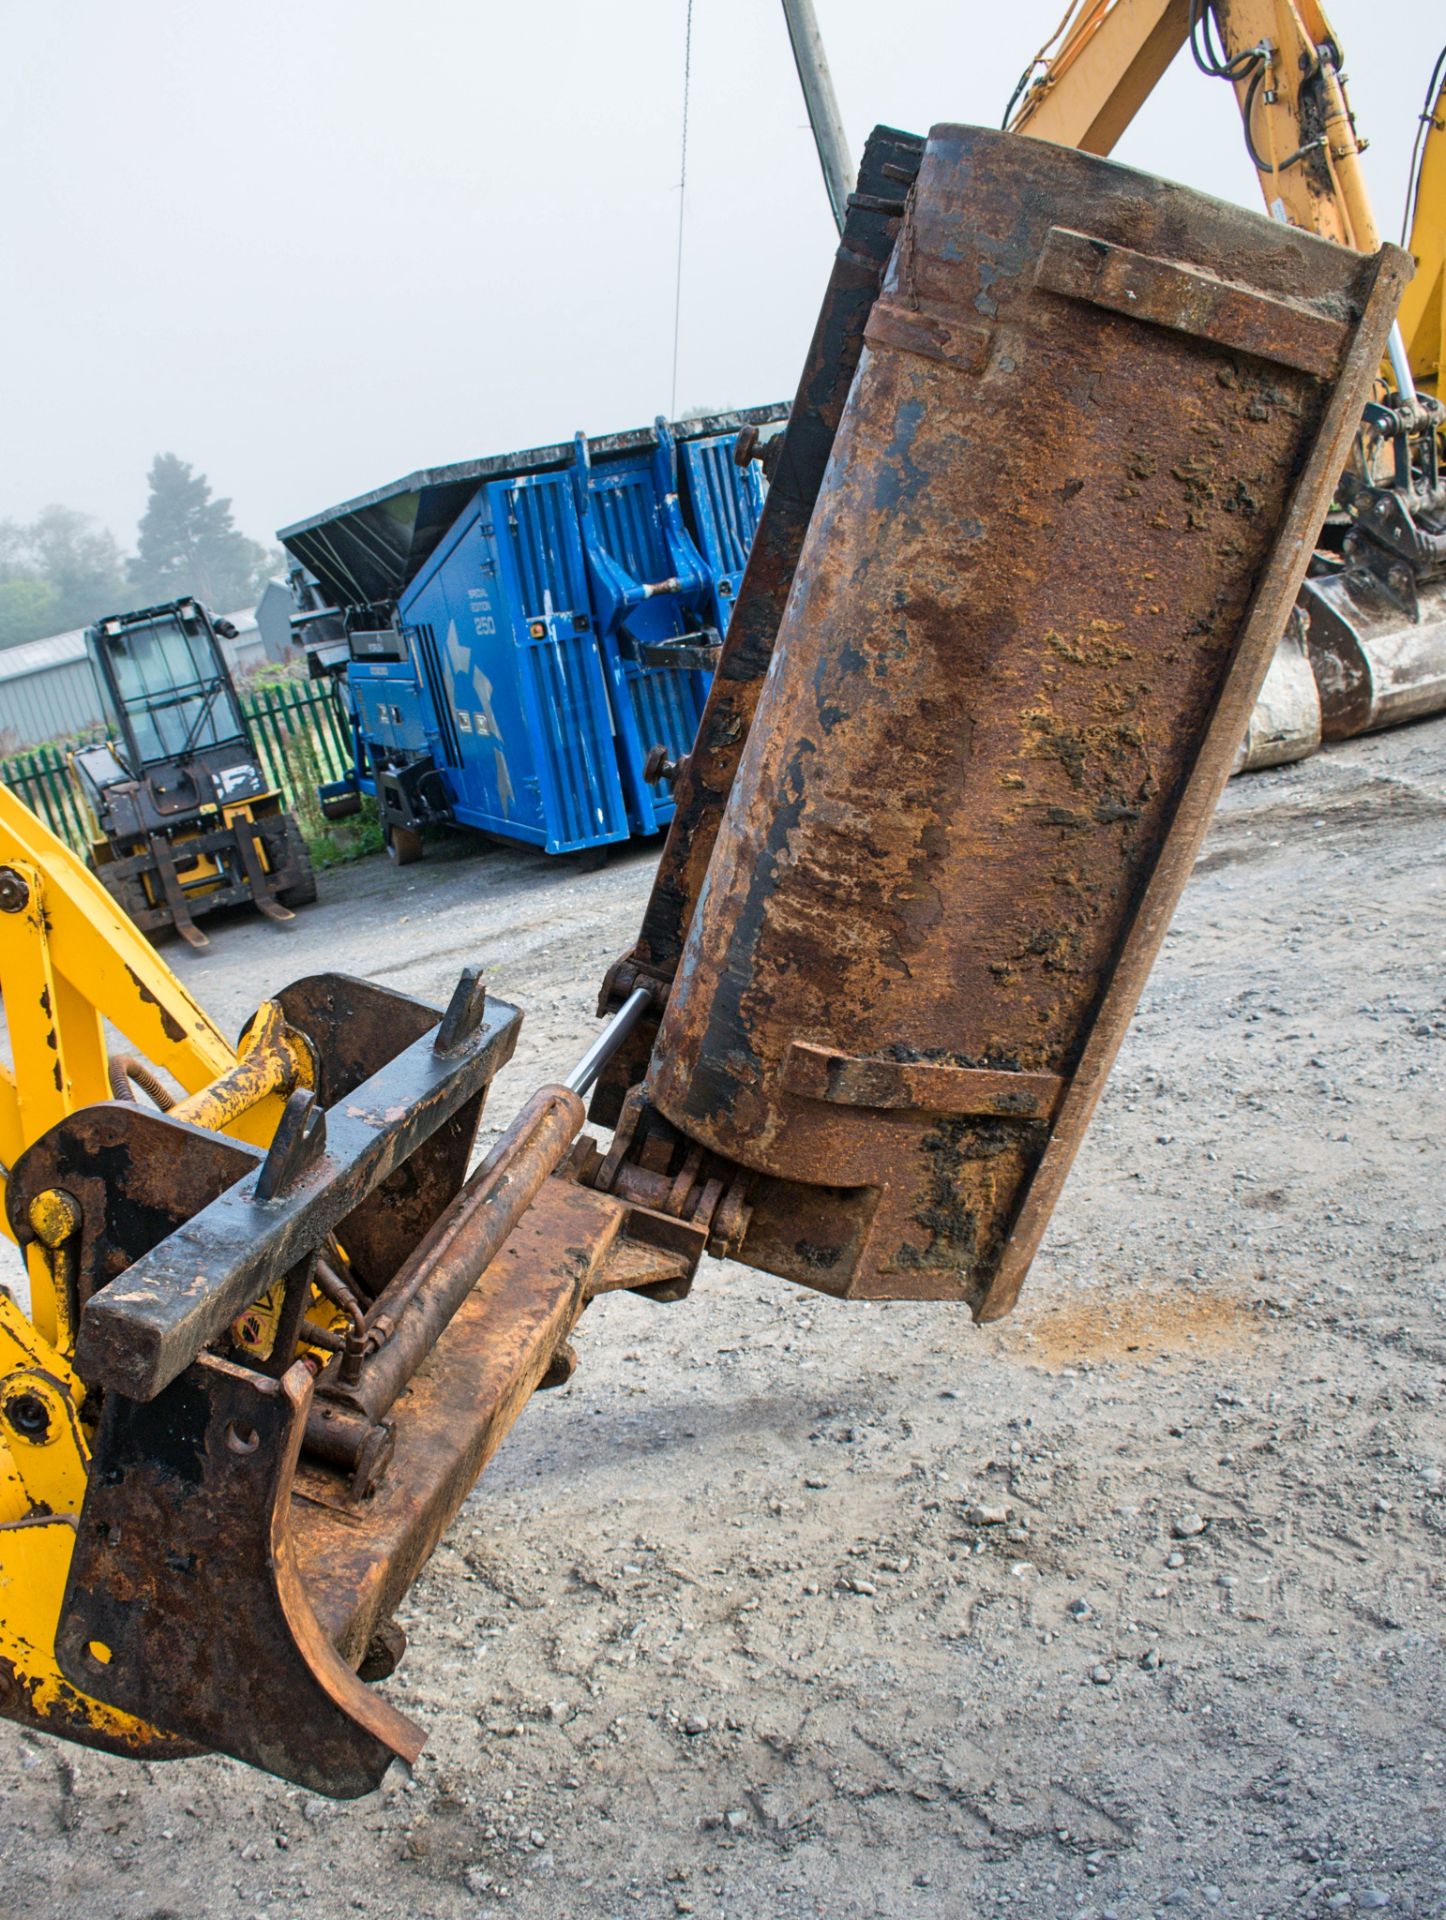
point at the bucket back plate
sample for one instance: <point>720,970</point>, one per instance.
<point>1080,471</point>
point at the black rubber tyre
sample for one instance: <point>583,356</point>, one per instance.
<point>128,892</point>
<point>341,806</point>
<point>404,846</point>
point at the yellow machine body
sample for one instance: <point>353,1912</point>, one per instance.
<point>1423,304</point>
<point>73,966</point>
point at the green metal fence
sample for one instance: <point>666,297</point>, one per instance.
<point>301,741</point>
<point>43,779</point>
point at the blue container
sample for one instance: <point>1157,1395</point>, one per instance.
<point>523,632</point>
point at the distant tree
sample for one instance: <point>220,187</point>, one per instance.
<point>188,543</point>
<point>81,561</point>
<point>57,571</point>
<point>27,609</point>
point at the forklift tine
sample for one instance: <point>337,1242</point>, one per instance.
<point>171,888</point>
<point>258,881</point>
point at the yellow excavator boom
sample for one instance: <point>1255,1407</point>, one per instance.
<point>1423,304</point>
<point>1368,646</point>
<point>72,966</point>
<point>71,963</point>
<point>76,979</point>
<point>1283,60</point>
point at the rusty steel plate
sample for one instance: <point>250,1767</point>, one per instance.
<point>137,1176</point>
<point>226,1589</point>
<point>886,172</point>
<point>1068,508</point>
<point>184,1605</point>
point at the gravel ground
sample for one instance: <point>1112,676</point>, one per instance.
<point>1133,1604</point>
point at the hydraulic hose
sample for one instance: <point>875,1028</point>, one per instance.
<point>127,1073</point>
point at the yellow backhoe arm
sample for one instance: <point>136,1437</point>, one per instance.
<point>71,966</point>
<point>1282,58</point>
<point>71,963</point>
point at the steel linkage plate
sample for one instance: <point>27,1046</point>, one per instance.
<point>149,1323</point>
<point>184,1604</point>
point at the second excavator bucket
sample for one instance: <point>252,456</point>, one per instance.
<point>1082,467</point>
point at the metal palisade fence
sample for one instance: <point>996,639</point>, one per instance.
<point>301,740</point>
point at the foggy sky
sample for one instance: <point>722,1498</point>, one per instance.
<point>310,245</point>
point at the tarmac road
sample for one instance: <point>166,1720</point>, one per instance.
<point>1134,1604</point>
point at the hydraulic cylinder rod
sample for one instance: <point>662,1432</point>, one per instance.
<point>609,1040</point>
<point>409,1315</point>
<point>413,1310</point>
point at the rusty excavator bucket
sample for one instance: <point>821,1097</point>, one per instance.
<point>1062,446</point>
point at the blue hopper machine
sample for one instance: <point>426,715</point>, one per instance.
<point>529,638</point>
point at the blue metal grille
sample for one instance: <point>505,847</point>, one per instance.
<point>725,507</point>
<point>541,519</point>
<point>627,518</point>
<point>576,760</point>
<point>438,682</point>
<point>667,709</point>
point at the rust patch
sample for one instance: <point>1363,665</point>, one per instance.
<point>170,1025</point>
<point>1139,1329</point>
<point>1093,646</point>
<point>70,1713</point>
